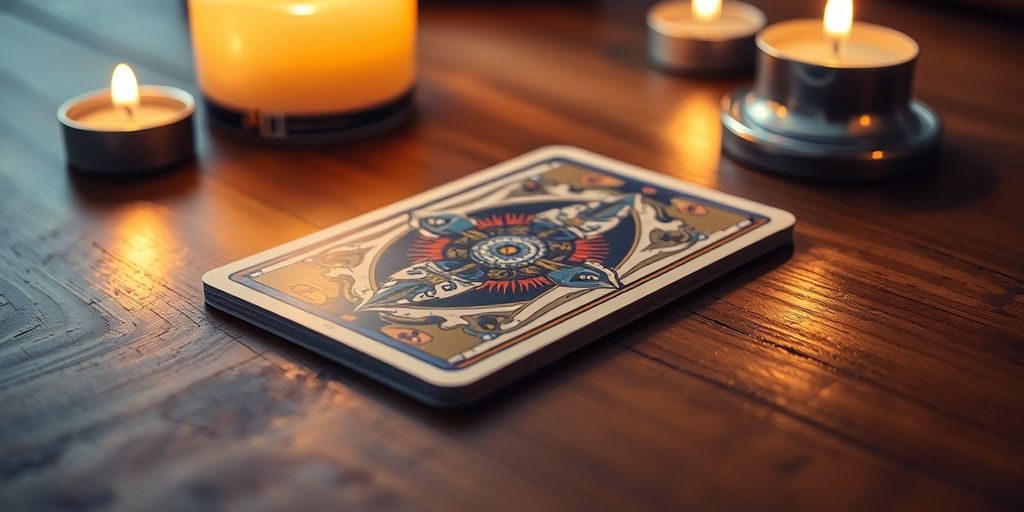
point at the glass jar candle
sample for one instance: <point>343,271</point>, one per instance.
<point>304,71</point>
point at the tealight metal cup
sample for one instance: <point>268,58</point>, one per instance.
<point>129,150</point>
<point>679,48</point>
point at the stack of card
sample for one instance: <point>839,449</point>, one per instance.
<point>457,291</point>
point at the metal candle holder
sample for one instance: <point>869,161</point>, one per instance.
<point>831,123</point>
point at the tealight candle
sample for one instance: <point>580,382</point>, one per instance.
<point>832,100</point>
<point>704,36</point>
<point>304,70</point>
<point>127,128</point>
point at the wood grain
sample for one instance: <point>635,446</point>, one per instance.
<point>878,364</point>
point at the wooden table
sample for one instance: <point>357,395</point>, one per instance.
<point>879,364</point>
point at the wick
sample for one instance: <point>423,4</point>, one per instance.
<point>835,46</point>
<point>126,112</point>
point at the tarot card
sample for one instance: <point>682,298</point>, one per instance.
<point>454,292</point>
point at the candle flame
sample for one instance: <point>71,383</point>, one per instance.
<point>706,10</point>
<point>302,9</point>
<point>838,18</point>
<point>124,89</point>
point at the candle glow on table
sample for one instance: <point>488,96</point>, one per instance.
<point>703,35</point>
<point>127,128</point>
<point>304,57</point>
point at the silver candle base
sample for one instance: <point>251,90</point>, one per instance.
<point>909,147</point>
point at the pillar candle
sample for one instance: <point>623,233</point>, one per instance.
<point>281,64</point>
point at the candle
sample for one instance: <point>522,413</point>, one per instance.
<point>127,128</point>
<point>838,41</point>
<point>706,36</point>
<point>306,71</point>
<point>832,100</point>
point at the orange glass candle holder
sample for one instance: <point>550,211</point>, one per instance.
<point>305,71</point>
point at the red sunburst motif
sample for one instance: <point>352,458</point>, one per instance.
<point>432,249</point>
<point>590,249</point>
<point>516,285</point>
<point>509,219</point>
<point>425,249</point>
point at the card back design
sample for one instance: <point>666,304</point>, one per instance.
<point>467,276</point>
